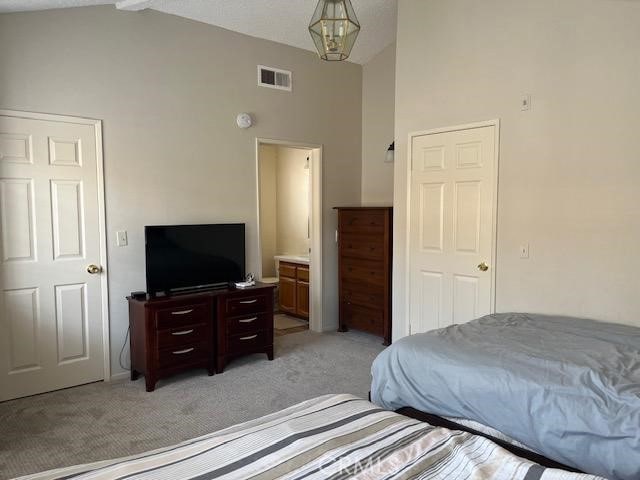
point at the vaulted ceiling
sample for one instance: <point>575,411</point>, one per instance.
<point>283,21</point>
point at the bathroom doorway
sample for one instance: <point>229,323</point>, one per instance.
<point>289,192</point>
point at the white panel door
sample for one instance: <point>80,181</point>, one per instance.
<point>51,325</point>
<point>453,189</point>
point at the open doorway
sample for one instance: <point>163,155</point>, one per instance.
<point>289,223</point>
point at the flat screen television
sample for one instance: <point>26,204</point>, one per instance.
<point>189,257</point>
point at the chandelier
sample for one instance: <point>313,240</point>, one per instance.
<point>334,29</point>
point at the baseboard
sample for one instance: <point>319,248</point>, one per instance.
<point>116,377</point>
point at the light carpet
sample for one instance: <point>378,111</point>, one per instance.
<point>108,420</point>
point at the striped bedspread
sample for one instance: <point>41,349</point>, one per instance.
<point>331,437</point>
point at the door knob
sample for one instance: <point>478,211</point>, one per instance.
<point>93,269</point>
<point>483,267</point>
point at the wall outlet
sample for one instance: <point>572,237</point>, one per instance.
<point>524,250</point>
<point>121,238</point>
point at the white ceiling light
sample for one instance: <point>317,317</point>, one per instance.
<point>334,28</point>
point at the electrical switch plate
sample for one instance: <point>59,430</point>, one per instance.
<point>121,238</point>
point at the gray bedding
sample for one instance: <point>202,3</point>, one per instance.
<point>567,388</point>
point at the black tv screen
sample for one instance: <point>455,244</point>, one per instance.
<point>183,257</point>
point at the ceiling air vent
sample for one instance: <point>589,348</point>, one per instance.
<point>274,78</point>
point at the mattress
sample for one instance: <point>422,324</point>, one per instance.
<point>331,437</point>
<point>563,387</point>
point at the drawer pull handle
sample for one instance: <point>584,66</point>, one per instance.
<point>182,312</point>
<point>246,302</point>
<point>184,332</point>
<point>186,350</point>
<point>248,320</point>
<point>249,338</point>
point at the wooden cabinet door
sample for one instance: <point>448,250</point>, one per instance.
<point>288,295</point>
<point>302,309</point>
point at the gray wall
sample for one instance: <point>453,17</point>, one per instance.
<point>378,104</point>
<point>168,90</point>
<point>569,167</point>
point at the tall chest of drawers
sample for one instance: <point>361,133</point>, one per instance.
<point>364,247</point>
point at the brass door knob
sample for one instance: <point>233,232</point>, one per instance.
<point>483,267</point>
<point>93,269</point>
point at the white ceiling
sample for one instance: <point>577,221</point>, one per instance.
<point>283,21</point>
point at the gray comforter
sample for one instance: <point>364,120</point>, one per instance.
<point>567,388</point>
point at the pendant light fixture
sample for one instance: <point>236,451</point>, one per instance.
<point>334,29</point>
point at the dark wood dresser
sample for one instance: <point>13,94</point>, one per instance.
<point>364,250</point>
<point>201,330</point>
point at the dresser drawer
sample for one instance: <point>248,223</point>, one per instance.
<point>248,323</point>
<point>363,294</point>
<point>362,246</point>
<point>362,271</point>
<point>362,318</point>
<point>182,315</point>
<point>182,335</point>
<point>287,270</point>
<point>248,341</point>
<point>362,221</point>
<point>184,354</point>
<point>243,305</point>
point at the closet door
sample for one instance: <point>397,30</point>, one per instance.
<point>453,192</point>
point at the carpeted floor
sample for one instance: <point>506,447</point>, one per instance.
<point>107,420</point>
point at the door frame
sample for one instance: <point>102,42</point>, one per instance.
<point>494,227</point>
<point>316,320</point>
<point>102,225</point>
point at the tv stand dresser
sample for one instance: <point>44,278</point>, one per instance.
<point>198,330</point>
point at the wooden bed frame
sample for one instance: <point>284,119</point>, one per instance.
<point>437,421</point>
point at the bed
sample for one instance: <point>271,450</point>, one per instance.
<point>331,437</point>
<point>564,388</point>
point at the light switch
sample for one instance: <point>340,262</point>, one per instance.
<point>121,238</point>
<point>524,250</point>
<point>525,102</point>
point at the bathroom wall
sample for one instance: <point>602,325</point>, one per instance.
<point>284,203</point>
<point>292,200</point>
<point>268,208</point>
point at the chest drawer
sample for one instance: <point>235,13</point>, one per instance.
<point>248,323</point>
<point>362,318</point>
<point>363,294</point>
<point>182,335</point>
<point>365,271</point>
<point>362,246</point>
<point>243,305</point>
<point>248,341</point>
<point>184,354</point>
<point>177,317</point>
<point>362,221</point>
